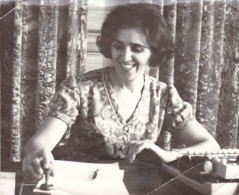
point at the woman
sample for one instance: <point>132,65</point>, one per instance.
<point>118,111</point>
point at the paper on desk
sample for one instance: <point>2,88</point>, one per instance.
<point>7,183</point>
<point>77,178</point>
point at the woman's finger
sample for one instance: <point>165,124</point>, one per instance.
<point>31,170</point>
<point>28,168</point>
<point>134,149</point>
<point>47,159</point>
<point>36,164</point>
<point>139,147</point>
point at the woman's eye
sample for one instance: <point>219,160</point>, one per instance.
<point>117,46</point>
<point>137,49</point>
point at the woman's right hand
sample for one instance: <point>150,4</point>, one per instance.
<point>34,164</point>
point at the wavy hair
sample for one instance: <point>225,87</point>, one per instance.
<point>141,15</point>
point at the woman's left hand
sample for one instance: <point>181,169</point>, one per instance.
<point>135,147</point>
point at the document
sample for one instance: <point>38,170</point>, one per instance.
<point>7,183</point>
<point>85,178</point>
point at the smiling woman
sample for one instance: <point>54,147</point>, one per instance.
<point>44,43</point>
<point>118,111</point>
<point>130,54</point>
<point>149,21</point>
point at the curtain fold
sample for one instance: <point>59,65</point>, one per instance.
<point>188,50</point>
<point>166,73</point>
<point>15,137</point>
<point>43,42</point>
<point>6,56</point>
<point>211,56</point>
<point>228,112</point>
<point>47,57</point>
<point>77,32</point>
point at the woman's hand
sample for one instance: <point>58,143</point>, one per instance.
<point>35,164</point>
<point>135,147</point>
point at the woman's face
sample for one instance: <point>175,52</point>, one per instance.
<point>130,53</point>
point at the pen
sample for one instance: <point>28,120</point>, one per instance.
<point>95,173</point>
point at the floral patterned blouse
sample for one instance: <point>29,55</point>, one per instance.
<point>97,130</point>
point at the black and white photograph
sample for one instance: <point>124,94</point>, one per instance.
<point>119,97</point>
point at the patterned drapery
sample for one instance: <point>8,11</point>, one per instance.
<point>44,41</point>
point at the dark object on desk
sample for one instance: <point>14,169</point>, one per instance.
<point>46,186</point>
<point>203,169</point>
<point>95,174</point>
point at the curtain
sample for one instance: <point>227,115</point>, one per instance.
<point>42,42</point>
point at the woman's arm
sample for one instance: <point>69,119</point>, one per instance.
<point>133,148</point>
<point>190,132</point>
<point>194,136</point>
<point>37,151</point>
<point>49,134</point>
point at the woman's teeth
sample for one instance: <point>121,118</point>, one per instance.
<point>126,66</point>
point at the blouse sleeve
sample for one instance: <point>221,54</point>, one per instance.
<point>66,101</point>
<point>178,112</point>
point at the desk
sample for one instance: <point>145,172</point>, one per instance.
<point>140,178</point>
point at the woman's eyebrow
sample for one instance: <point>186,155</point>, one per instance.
<point>139,45</point>
<point>118,41</point>
<point>134,44</point>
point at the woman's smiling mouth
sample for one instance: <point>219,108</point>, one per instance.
<point>127,66</point>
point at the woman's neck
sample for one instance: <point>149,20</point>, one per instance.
<point>134,86</point>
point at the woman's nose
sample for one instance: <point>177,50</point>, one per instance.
<point>126,55</point>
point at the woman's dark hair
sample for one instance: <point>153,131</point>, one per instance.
<point>142,15</point>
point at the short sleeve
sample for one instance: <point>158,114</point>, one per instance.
<point>66,101</point>
<point>178,112</point>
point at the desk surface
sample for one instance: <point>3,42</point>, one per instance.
<point>139,178</point>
